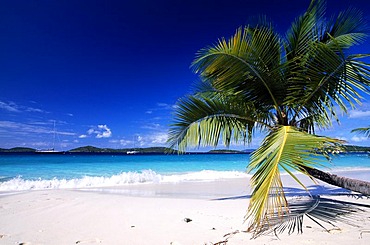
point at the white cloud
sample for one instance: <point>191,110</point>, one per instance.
<point>23,128</point>
<point>106,133</point>
<point>159,138</point>
<point>358,114</point>
<point>82,136</point>
<point>160,107</point>
<point>43,123</point>
<point>122,142</point>
<point>9,124</point>
<point>165,106</point>
<point>65,133</point>
<point>125,142</point>
<point>162,104</point>
<point>153,126</point>
<point>140,141</point>
<point>359,139</point>
<point>40,144</point>
<point>101,132</point>
<point>31,109</point>
<point>154,139</point>
<point>12,107</point>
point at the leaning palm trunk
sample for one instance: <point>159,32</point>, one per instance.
<point>360,186</point>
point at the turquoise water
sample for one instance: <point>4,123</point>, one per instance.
<point>76,166</point>
<point>32,171</point>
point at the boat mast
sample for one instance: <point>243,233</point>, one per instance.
<point>54,137</point>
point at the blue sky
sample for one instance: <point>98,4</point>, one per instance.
<point>108,73</point>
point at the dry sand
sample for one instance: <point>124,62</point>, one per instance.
<point>155,214</point>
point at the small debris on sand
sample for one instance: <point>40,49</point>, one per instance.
<point>96,240</point>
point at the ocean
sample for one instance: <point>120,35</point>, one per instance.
<point>42,171</point>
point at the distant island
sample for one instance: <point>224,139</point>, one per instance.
<point>155,150</point>
<point>95,150</point>
<point>140,151</point>
<point>18,150</point>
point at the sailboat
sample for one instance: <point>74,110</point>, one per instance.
<point>133,150</point>
<point>50,150</point>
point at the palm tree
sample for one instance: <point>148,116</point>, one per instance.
<point>285,86</point>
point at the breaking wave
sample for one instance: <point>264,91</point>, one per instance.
<point>124,178</point>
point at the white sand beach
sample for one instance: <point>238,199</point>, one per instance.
<point>156,214</point>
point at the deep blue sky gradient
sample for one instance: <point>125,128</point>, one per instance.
<point>109,72</point>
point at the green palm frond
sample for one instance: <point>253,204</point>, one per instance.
<point>308,121</point>
<point>320,210</point>
<point>304,31</point>
<point>248,64</point>
<point>329,79</point>
<point>359,72</point>
<point>205,121</point>
<point>348,29</point>
<point>285,148</point>
<point>365,131</point>
<point>320,65</point>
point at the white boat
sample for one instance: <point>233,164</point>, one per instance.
<point>134,146</point>
<point>131,152</point>
<point>50,150</point>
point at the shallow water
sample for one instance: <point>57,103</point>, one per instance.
<point>32,171</point>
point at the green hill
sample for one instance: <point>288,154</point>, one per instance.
<point>18,149</point>
<point>225,152</point>
<point>159,150</point>
<point>354,148</point>
<point>149,150</point>
<point>91,149</point>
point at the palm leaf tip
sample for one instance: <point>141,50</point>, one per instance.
<point>285,148</point>
<point>365,131</point>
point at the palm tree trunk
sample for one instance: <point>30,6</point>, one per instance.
<point>360,186</point>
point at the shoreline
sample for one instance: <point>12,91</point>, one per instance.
<point>127,181</point>
<point>155,214</point>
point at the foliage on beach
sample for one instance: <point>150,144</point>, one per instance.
<point>286,86</point>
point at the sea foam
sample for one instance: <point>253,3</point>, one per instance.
<point>125,178</point>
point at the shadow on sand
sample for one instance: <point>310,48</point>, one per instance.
<point>313,190</point>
